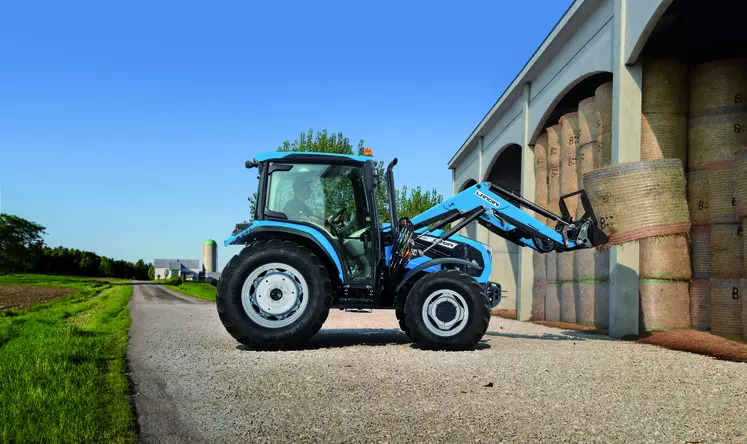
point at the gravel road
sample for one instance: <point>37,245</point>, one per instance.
<point>525,382</point>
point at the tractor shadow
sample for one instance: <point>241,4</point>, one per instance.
<point>331,338</point>
<point>569,335</point>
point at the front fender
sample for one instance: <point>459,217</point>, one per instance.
<point>313,234</point>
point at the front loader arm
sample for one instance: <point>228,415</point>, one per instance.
<point>500,211</point>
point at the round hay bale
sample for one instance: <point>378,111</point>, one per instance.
<point>538,301</point>
<point>565,266</point>
<point>700,304</point>
<point>587,121</point>
<point>553,184</point>
<point>718,138</point>
<point>639,199</point>
<point>592,303</point>
<point>552,301</point>
<point>727,257</point>
<point>740,187</point>
<point>553,145</point>
<point>665,258</point>
<point>664,87</point>
<point>541,181</point>
<point>569,183</point>
<point>697,197</point>
<point>567,302</point>
<point>742,292</point>
<point>664,136</point>
<point>744,244</point>
<point>722,203</point>
<point>591,264</point>
<point>726,308</point>
<point>568,149</point>
<point>551,260</point>
<point>603,155</point>
<point>603,99</point>
<point>568,135</point>
<point>700,251</point>
<point>665,305</point>
<point>539,265</point>
<point>540,153</point>
<point>718,87</point>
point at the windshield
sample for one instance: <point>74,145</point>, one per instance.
<point>333,198</point>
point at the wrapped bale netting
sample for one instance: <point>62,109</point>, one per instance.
<point>539,264</point>
<point>700,241</point>
<point>744,245</point>
<point>740,188</point>
<point>664,87</point>
<point>587,121</point>
<point>567,302</point>
<point>552,301</point>
<point>664,136</point>
<point>665,305</point>
<point>538,301</point>
<point>640,199</point>
<point>727,257</point>
<point>591,264</point>
<point>603,99</point>
<point>700,304</point>
<point>718,138</point>
<point>697,197</point>
<point>718,87</point>
<point>665,258</point>
<point>722,203</point>
<point>568,149</point>
<point>592,303</point>
<point>541,197</point>
<point>553,159</point>
<point>726,307</point>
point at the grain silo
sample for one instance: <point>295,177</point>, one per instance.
<point>209,255</point>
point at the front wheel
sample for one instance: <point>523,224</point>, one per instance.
<point>447,310</point>
<point>274,294</point>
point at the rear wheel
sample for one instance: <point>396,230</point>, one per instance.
<point>447,310</point>
<point>274,294</point>
<point>400,313</point>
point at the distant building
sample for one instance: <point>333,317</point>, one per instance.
<point>189,268</point>
<point>209,256</point>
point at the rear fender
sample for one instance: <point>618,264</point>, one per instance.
<point>283,229</point>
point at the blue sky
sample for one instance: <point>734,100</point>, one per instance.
<point>124,127</point>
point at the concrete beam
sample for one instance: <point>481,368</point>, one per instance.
<point>526,271</point>
<point>626,147</point>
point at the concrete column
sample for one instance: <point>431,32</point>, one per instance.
<point>526,270</point>
<point>453,178</point>
<point>626,147</point>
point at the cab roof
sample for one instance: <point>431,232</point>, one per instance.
<point>307,156</point>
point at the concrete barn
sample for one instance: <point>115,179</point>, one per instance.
<point>594,42</point>
<point>189,268</point>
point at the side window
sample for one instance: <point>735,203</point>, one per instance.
<point>299,195</point>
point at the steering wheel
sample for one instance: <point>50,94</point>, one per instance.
<point>336,219</point>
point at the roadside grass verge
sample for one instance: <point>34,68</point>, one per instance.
<point>199,290</point>
<point>62,364</point>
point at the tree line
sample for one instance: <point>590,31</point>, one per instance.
<point>22,250</point>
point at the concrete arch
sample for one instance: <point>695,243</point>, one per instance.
<point>467,183</point>
<point>487,169</point>
<point>546,111</point>
<point>642,19</point>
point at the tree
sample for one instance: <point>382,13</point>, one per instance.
<point>151,272</point>
<point>106,267</point>
<point>323,142</point>
<point>166,274</point>
<point>21,243</point>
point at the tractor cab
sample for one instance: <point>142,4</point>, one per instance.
<point>326,199</point>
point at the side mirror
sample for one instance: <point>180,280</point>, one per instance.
<point>249,164</point>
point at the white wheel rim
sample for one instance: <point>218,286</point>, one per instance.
<point>445,313</point>
<point>274,295</point>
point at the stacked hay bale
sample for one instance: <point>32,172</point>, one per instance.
<point>645,200</point>
<point>591,266</point>
<point>664,267</point>
<point>741,197</point>
<point>717,130</point>
<point>541,198</point>
<point>552,289</point>
<point>569,136</point>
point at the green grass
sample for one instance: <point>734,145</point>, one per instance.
<point>62,364</point>
<point>199,290</point>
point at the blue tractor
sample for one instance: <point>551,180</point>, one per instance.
<point>316,243</point>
